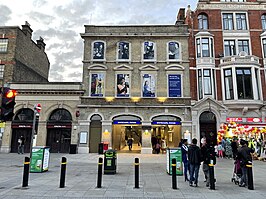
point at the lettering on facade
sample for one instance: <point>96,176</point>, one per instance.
<point>231,7</point>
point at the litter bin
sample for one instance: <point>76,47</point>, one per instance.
<point>100,148</point>
<point>110,162</point>
<point>73,149</point>
<point>39,159</point>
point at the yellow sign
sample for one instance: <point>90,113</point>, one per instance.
<point>2,124</point>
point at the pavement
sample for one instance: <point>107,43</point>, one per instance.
<point>81,179</point>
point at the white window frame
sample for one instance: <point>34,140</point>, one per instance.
<point>3,45</point>
<point>156,82</point>
<point>2,71</point>
<point>234,21</point>
<point>182,84</point>
<point>142,52</point>
<point>92,49</point>
<point>104,82</point>
<point>256,86</point>
<point>212,83</point>
<point>167,52</point>
<point>130,77</point>
<point>211,46</point>
<point>236,44</point>
<point>129,53</point>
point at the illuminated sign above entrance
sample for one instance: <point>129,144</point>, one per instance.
<point>166,123</point>
<point>126,122</point>
<point>254,119</point>
<point>234,119</point>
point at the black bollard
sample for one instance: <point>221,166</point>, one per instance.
<point>174,186</point>
<point>250,176</point>
<point>63,172</point>
<point>26,172</point>
<point>137,173</point>
<point>100,171</point>
<point>211,175</point>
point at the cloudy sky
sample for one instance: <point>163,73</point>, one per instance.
<point>60,22</point>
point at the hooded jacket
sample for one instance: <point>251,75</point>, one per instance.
<point>194,155</point>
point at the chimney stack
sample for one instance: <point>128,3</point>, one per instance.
<point>41,44</point>
<point>180,19</point>
<point>26,29</point>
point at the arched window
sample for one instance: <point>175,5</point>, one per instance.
<point>60,115</point>
<point>98,50</point>
<point>148,50</point>
<point>203,21</point>
<point>123,50</point>
<point>263,21</point>
<point>24,114</point>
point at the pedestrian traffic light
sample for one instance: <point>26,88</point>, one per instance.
<point>8,104</point>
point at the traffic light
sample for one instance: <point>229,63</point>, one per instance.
<point>8,104</point>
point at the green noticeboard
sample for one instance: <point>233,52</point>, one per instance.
<point>174,153</point>
<point>39,159</point>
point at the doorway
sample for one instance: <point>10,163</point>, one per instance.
<point>208,127</point>
<point>95,133</point>
<point>59,140</point>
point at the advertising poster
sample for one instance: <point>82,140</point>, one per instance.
<point>36,160</point>
<point>174,85</point>
<point>122,84</point>
<point>98,50</point>
<point>97,84</point>
<point>148,50</point>
<point>173,50</point>
<point>123,50</point>
<point>46,159</point>
<point>148,85</point>
<point>175,153</point>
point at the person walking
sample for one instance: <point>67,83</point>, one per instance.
<point>194,158</point>
<point>220,150</point>
<point>129,143</point>
<point>184,150</point>
<point>21,143</point>
<point>244,155</point>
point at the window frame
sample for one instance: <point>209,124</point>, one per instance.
<point>92,51</point>
<point>168,51</point>
<point>226,21</point>
<point>2,71</point>
<point>3,45</point>
<point>104,84</point>
<point>230,85</point>
<point>242,78</point>
<point>143,50</point>
<point>209,81</point>
<point>243,21</point>
<point>129,52</point>
<point>203,23</point>
<point>263,21</point>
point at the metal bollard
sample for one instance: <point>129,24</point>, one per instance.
<point>63,172</point>
<point>100,171</point>
<point>26,172</point>
<point>137,173</point>
<point>211,175</point>
<point>250,176</point>
<point>174,185</point>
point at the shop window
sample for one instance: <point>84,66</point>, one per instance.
<point>98,50</point>
<point>203,21</point>
<point>3,45</point>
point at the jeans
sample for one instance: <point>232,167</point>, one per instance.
<point>206,172</point>
<point>243,179</point>
<point>194,173</point>
<point>186,165</point>
<point>20,149</point>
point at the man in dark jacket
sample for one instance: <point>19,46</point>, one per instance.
<point>184,149</point>
<point>194,158</point>
<point>244,155</point>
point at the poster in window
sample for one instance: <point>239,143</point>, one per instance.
<point>173,50</point>
<point>97,84</point>
<point>98,50</point>
<point>174,85</point>
<point>123,50</point>
<point>123,88</point>
<point>148,50</point>
<point>148,85</point>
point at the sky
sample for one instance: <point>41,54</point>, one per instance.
<point>60,22</point>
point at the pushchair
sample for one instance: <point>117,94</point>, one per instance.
<point>237,172</point>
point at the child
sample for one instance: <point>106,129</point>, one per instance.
<point>220,150</point>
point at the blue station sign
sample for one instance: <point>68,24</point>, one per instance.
<point>126,122</point>
<point>166,123</point>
